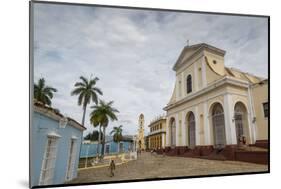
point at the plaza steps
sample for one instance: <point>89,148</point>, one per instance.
<point>247,154</point>
<point>216,154</point>
<point>251,154</point>
<point>261,144</point>
<point>190,153</point>
<point>171,152</point>
<point>183,152</point>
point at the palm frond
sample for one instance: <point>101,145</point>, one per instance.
<point>98,90</point>
<point>41,83</point>
<point>114,110</point>
<point>43,93</point>
<point>48,93</point>
<point>47,101</point>
<point>93,81</point>
<point>110,103</point>
<point>94,97</point>
<point>80,99</point>
<point>112,132</point>
<point>50,89</point>
<point>84,80</point>
<point>112,116</point>
<point>77,91</point>
<point>102,103</point>
<point>80,84</point>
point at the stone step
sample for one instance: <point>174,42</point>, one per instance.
<point>262,144</point>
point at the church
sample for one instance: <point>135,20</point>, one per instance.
<point>213,107</point>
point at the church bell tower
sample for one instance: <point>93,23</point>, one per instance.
<point>140,142</point>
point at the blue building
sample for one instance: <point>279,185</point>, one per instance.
<point>89,149</point>
<point>55,146</point>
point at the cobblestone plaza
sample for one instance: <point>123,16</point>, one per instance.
<point>157,166</point>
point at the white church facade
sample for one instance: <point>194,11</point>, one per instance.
<point>213,106</point>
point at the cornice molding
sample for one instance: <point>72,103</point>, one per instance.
<point>56,117</point>
<point>224,81</point>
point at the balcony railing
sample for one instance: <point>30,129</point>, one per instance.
<point>157,118</point>
<point>157,131</point>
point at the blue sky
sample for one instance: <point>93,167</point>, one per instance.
<point>132,52</point>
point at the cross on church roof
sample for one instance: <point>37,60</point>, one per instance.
<point>187,42</point>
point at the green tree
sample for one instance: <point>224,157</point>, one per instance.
<point>117,135</point>
<point>101,115</point>
<point>94,136</point>
<point>43,93</point>
<point>87,92</point>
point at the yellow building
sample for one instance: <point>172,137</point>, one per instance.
<point>212,106</point>
<point>157,134</point>
<point>261,111</point>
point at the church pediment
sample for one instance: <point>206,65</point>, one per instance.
<point>190,51</point>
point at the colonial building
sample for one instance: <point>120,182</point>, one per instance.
<point>157,134</point>
<point>213,106</point>
<point>140,136</point>
<point>55,146</point>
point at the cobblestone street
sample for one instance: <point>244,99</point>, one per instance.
<point>157,166</point>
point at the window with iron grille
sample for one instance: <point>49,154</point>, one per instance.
<point>188,84</point>
<point>191,130</point>
<point>218,126</point>
<point>71,160</point>
<point>265,109</point>
<point>49,161</point>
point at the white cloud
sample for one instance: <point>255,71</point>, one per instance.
<point>132,52</point>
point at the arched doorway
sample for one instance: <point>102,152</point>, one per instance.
<point>218,126</point>
<point>173,132</point>
<point>191,129</point>
<point>241,125</point>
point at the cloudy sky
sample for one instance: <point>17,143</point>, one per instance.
<point>132,53</point>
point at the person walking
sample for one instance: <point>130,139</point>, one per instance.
<point>112,168</point>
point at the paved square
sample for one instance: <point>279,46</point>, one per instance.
<point>157,166</point>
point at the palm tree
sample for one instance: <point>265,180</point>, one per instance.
<point>87,92</point>
<point>92,136</point>
<point>97,119</point>
<point>101,115</point>
<point>117,135</point>
<point>43,93</point>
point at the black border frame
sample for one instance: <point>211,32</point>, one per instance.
<point>31,64</point>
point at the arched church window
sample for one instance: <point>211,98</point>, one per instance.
<point>191,130</point>
<point>188,84</point>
